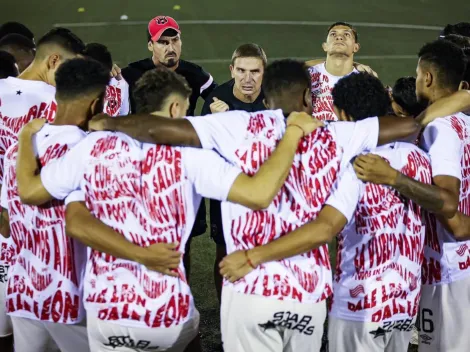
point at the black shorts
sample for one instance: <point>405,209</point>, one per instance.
<point>200,224</point>
<point>217,231</point>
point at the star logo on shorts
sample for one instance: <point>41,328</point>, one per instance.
<point>18,92</point>
<point>267,326</point>
<point>377,333</point>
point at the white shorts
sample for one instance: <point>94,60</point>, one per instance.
<point>444,321</point>
<point>105,336</point>
<point>252,323</point>
<point>39,336</point>
<point>348,335</point>
<point>5,321</point>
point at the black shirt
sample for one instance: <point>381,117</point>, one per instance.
<point>199,80</point>
<point>224,92</point>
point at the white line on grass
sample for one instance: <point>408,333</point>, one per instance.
<point>253,22</point>
<point>358,57</point>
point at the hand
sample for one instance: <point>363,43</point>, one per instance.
<point>365,68</point>
<point>306,122</point>
<point>373,168</point>
<point>116,72</point>
<point>161,257</point>
<point>32,127</point>
<point>235,266</point>
<point>100,122</point>
<point>218,106</point>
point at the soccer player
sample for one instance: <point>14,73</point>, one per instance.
<point>340,46</point>
<point>290,292</point>
<point>446,272</point>
<point>242,92</point>
<point>25,98</point>
<point>164,42</point>
<point>22,48</point>
<point>47,263</point>
<point>404,100</point>
<point>16,28</point>
<point>377,279</point>
<point>116,102</point>
<point>8,65</point>
<point>148,194</point>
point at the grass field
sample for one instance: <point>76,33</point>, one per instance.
<point>391,33</point>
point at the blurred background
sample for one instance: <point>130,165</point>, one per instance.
<point>390,34</point>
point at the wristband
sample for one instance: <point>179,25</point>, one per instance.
<point>293,124</point>
<point>248,260</point>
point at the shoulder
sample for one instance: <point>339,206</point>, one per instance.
<point>192,71</point>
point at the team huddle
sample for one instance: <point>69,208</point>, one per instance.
<point>104,173</point>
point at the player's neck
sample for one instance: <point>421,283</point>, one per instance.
<point>339,65</point>
<point>245,98</point>
<point>33,73</point>
<point>69,114</point>
<point>438,94</point>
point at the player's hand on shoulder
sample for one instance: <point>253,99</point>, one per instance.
<point>100,122</point>
<point>304,121</point>
<point>32,127</point>
<point>235,266</point>
<point>375,169</point>
<point>218,106</point>
<point>163,258</point>
<point>116,72</point>
<point>365,68</point>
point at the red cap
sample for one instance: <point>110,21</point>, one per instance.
<point>160,24</point>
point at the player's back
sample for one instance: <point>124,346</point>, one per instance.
<point>380,251</point>
<point>47,261</point>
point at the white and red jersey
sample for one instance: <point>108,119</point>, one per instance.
<point>321,88</point>
<point>116,100</point>
<point>380,250</point>
<point>20,102</point>
<point>149,194</point>
<point>447,141</point>
<point>247,140</point>
<point>45,276</point>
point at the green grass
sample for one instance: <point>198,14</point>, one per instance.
<point>202,42</point>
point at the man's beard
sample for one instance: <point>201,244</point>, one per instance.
<point>170,63</point>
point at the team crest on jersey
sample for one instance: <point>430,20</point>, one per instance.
<point>161,20</point>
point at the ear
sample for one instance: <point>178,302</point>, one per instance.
<point>53,61</point>
<point>307,97</point>
<point>357,46</point>
<point>174,109</point>
<point>265,102</point>
<point>324,47</point>
<point>464,85</point>
<point>398,110</point>
<point>150,46</point>
<point>96,106</point>
<point>231,71</point>
<point>428,80</point>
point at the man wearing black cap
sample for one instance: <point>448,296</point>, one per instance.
<point>164,42</point>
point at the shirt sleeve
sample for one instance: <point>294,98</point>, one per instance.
<point>208,86</point>
<point>75,196</point>
<point>125,103</point>
<point>206,110</point>
<point>221,132</point>
<point>444,147</point>
<point>210,174</point>
<point>356,137</point>
<point>62,176</point>
<point>346,193</point>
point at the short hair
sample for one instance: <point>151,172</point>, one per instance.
<point>80,76</point>
<point>8,67</point>
<point>459,40</point>
<point>16,28</point>
<point>361,95</point>
<point>447,59</point>
<point>64,38</point>
<point>285,76</point>
<point>250,50</point>
<point>461,28</point>
<point>404,94</point>
<point>100,53</point>
<point>350,26</point>
<point>17,42</point>
<point>155,86</point>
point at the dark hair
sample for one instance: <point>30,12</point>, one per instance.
<point>155,86</point>
<point>250,50</point>
<point>8,66</point>
<point>461,28</point>
<point>404,94</point>
<point>286,75</point>
<point>80,76</point>
<point>17,42</point>
<point>350,26</point>
<point>100,53</point>
<point>64,38</point>
<point>361,95</point>
<point>167,33</point>
<point>447,59</point>
<point>459,40</point>
<point>16,28</point>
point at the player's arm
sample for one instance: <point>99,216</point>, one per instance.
<point>4,223</point>
<point>259,190</point>
<point>83,226</point>
<point>454,103</point>
<point>30,188</point>
<point>458,225</point>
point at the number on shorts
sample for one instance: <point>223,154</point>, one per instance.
<point>424,321</point>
